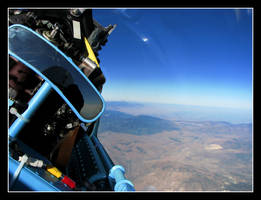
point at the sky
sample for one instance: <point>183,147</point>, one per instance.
<point>178,56</point>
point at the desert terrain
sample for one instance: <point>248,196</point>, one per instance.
<point>185,156</point>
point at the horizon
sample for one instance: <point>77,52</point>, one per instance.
<point>182,112</point>
<point>176,104</point>
<point>185,56</point>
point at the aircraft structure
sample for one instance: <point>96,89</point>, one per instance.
<point>55,103</point>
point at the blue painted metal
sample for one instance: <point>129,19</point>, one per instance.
<point>116,172</point>
<point>50,82</point>
<point>122,184</point>
<point>32,178</point>
<point>29,180</point>
<point>34,104</point>
<point>10,102</point>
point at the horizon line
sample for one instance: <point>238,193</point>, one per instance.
<point>180,104</point>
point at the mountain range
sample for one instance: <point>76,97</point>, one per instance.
<point>182,112</point>
<point>120,122</point>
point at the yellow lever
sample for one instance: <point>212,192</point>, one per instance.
<point>54,171</point>
<point>91,54</point>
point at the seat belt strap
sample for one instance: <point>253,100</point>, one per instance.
<point>65,149</point>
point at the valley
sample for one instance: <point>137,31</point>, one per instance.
<point>181,155</point>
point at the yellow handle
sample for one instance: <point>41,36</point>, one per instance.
<point>54,171</point>
<point>91,54</point>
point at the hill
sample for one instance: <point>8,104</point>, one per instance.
<point>120,122</point>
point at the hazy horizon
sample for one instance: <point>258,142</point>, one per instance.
<point>183,111</point>
<point>182,56</point>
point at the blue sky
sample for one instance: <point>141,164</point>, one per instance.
<point>178,56</point>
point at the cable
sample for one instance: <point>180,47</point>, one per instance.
<point>33,162</point>
<point>15,112</point>
<point>18,170</point>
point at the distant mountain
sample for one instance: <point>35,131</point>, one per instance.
<point>217,127</point>
<point>120,122</point>
<point>112,105</point>
<point>182,112</point>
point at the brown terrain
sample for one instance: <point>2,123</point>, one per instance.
<point>199,156</point>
